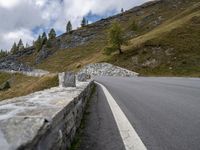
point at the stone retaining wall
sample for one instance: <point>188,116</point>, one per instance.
<point>45,120</point>
<point>33,73</point>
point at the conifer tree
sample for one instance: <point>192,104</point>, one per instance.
<point>116,39</point>
<point>20,45</point>
<point>44,38</point>
<point>84,22</point>
<point>69,26</point>
<point>52,34</point>
<point>3,53</point>
<point>14,48</point>
<point>38,43</point>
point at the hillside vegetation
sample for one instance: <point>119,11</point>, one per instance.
<point>23,85</point>
<point>164,40</point>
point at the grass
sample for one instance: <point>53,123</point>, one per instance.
<point>180,35</point>
<point>73,59</point>
<point>165,28</point>
<point>23,85</point>
<point>177,31</point>
<point>4,77</point>
<point>182,41</point>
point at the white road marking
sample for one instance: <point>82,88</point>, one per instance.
<point>129,136</point>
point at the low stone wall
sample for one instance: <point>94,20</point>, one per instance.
<point>33,73</point>
<point>45,120</point>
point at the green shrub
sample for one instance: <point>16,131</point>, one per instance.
<point>5,86</point>
<point>109,49</point>
<point>134,26</point>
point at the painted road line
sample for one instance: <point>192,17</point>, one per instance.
<point>129,136</point>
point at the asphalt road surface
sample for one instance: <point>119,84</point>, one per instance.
<point>165,113</point>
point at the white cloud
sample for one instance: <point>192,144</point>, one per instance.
<point>24,34</point>
<point>8,3</point>
<point>40,2</point>
<point>20,17</point>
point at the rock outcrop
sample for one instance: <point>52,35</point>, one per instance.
<point>11,63</point>
<point>43,54</point>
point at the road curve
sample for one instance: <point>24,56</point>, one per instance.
<point>165,112</point>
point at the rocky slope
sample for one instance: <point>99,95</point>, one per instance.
<point>157,45</point>
<point>105,69</point>
<point>12,62</point>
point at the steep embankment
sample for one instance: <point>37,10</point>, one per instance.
<point>164,40</point>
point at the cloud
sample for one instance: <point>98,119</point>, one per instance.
<point>8,4</point>
<point>26,18</point>
<point>24,34</point>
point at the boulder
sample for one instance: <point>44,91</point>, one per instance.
<point>82,77</point>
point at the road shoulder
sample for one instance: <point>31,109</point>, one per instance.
<point>98,129</point>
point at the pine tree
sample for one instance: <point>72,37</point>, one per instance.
<point>84,22</point>
<point>3,53</point>
<point>14,48</point>
<point>44,38</point>
<point>27,45</point>
<point>52,34</point>
<point>69,26</point>
<point>20,45</point>
<point>38,43</point>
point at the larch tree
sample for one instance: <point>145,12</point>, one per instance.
<point>115,38</point>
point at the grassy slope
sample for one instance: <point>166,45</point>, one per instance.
<point>4,77</point>
<point>173,45</point>
<point>73,59</point>
<point>23,85</point>
<point>179,37</point>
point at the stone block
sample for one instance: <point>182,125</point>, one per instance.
<point>82,77</point>
<point>67,79</point>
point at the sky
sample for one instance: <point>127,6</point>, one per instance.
<point>26,19</point>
